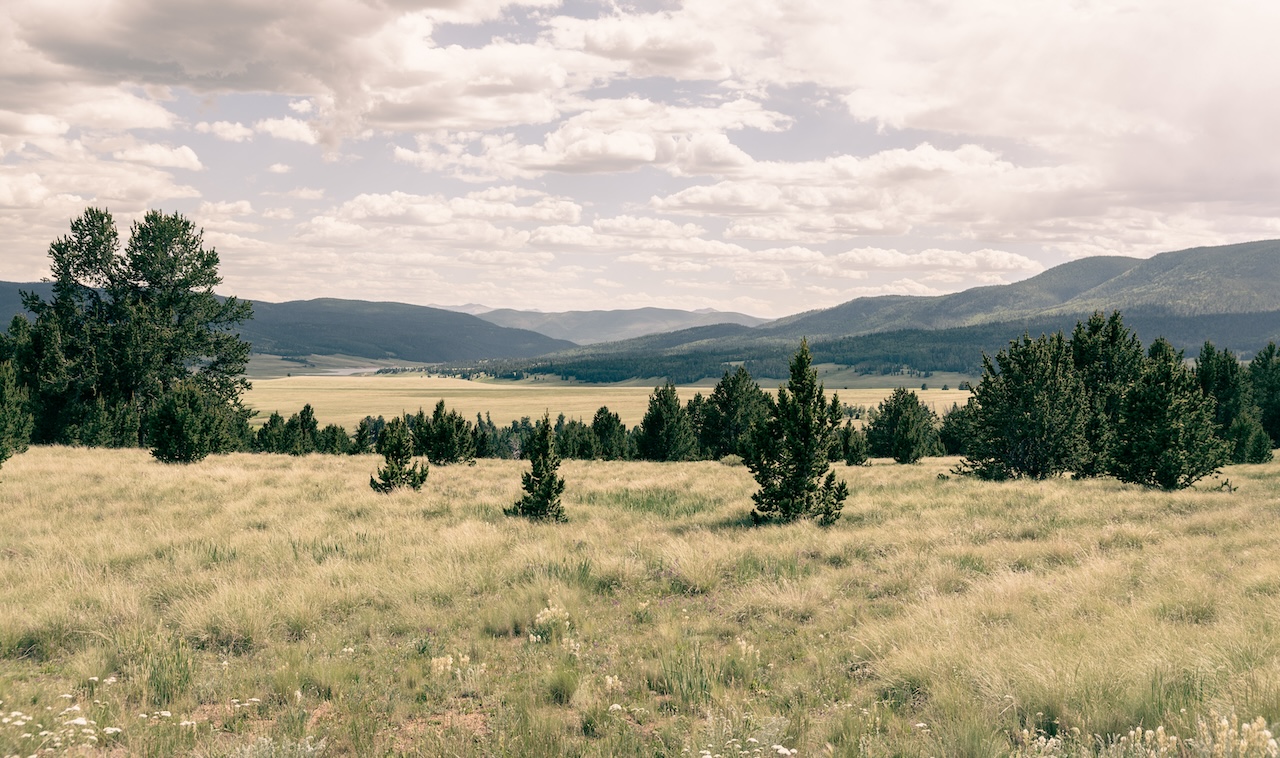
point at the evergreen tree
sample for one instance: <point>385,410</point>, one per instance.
<point>696,410</point>
<point>366,437</point>
<point>542,485</point>
<point>272,436</point>
<point>665,432</point>
<point>956,429</point>
<point>1029,418</point>
<point>446,438</point>
<point>15,420</point>
<point>333,440</point>
<point>1264,376</point>
<point>1107,357</point>
<point>789,456</point>
<point>575,440</point>
<point>1236,416</point>
<point>903,428</point>
<point>735,408</point>
<point>187,424</point>
<point>854,450</point>
<point>125,328</point>
<point>611,434</point>
<point>1166,436</point>
<point>395,445</point>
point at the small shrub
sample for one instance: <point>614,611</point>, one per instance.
<point>187,424</point>
<point>396,446</point>
<point>542,485</point>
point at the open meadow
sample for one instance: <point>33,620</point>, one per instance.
<point>347,399</point>
<point>269,605</point>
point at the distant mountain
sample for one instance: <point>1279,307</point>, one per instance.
<point>362,329</point>
<point>590,327</point>
<point>1226,279</point>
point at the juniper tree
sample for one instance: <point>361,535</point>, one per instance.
<point>395,445</point>
<point>1166,436</point>
<point>15,421</point>
<point>1029,417</point>
<point>903,428</point>
<point>542,485</point>
<point>789,455</point>
<point>1108,357</point>
<point>665,432</point>
<point>1235,415</point>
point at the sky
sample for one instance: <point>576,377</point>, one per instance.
<point>749,155</point>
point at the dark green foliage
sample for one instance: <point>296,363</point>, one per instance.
<point>187,424</point>
<point>15,420</point>
<point>956,429</point>
<point>445,438</point>
<point>736,406</point>
<point>1264,376</point>
<point>903,428</point>
<point>303,431</point>
<point>789,455</point>
<point>333,440</point>
<point>1108,357</point>
<point>696,410</point>
<point>271,436</point>
<point>574,439</point>
<point>611,434</point>
<point>1236,416</point>
<point>395,445</point>
<point>853,448</point>
<point>365,440</point>
<point>542,485</point>
<point>1167,436</point>
<point>123,329</point>
<point>666,433</point>
<point>1029,417</point>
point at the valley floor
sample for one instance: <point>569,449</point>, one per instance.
<point>271,605</point>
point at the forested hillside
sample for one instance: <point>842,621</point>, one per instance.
<point>590,327</point>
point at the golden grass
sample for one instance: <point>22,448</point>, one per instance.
<point>274,600</point>
<point>346,400</point>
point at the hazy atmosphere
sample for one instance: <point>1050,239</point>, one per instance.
<point>584,155</point>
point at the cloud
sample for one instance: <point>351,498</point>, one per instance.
<point>161,156</point>
<point>226,130</point>
<point>287,128</point>
<point>279,168</point>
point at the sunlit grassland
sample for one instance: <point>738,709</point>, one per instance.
<point>347,399</point>
<point>272,598</point>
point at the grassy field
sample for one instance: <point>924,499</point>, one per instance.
<point>267,605</point>
<point>347,399</point>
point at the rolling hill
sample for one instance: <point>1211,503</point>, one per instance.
<point>590,327</point>
<point>363,329</point>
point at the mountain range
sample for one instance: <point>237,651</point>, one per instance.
<point>1228,294</point>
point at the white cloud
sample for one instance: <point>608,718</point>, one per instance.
<point>161,156</point>
<point>287,128</point>
<point>226,130</point>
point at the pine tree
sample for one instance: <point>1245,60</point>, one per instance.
<point>1167,436</point>
<point>853,445</point>
<point>736,406</point>
<point>1264,375</point>
<point>956,429</point>
<point>1108,357</point>
<point>789,456</point>
<point>15,420</point>
<point>1029,417</point>
<point>542,485</point>
<point>187,424</point>
<point>903,428</point>
<point>611,435</point>
<point>665,432</point>
<point>1235,415</point>
<point>445,438</point>
<point>395,445</point>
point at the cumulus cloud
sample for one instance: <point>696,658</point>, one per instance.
<point>287,128</point>
<point>162,156</point>
<point>226,130</point>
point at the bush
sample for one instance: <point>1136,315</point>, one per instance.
<point>395,444</point>
<point>187,424</point>
<point>542,485</point>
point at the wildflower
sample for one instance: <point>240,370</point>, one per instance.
<point>615,708</point>
<point>165,714</point>
<point>111,730</point>
<point>79,721</point>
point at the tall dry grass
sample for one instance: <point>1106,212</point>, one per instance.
<point>267,605</point>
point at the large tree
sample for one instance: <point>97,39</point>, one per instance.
<point>1028,412</point>
<point>736,406</point>
<point>1235,414</point>
<point>1107,356</point>
<point>1264,375</point>
<point>903,428</point>
<point>790,454</point>
<point>666,433</point>
<point>124,328</point>
<point>1166,437</point>
<point>15,421</point>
